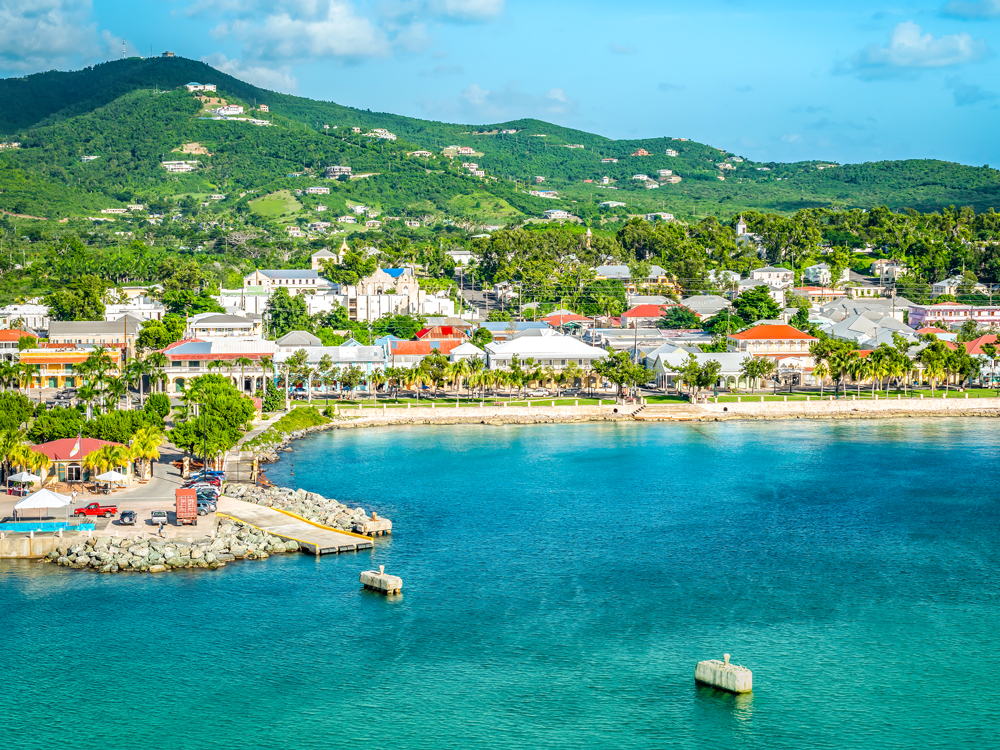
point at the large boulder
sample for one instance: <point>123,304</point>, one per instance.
<point>157,568</point>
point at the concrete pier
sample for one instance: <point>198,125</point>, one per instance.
<point>379,581</point>
<point>723,675</point>
<point>375,527</point>
<point>312,538</point>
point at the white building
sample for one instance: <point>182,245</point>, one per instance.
<point>295,281</point>
<point>143,308</point>
<point>219,325</point>
<point>821,275</point>
<point>180,166</point>
<point>558,214</point>
<point>546,347</point>
<point>200,86</point>
<point>228,110</point>
<point>317,191</point>
<point>35,317</point>
<point>779,277</point>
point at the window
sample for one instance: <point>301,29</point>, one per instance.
<point>73,473</point>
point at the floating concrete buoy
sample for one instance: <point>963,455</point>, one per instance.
<point>723,675</point>
<point>379,581</point>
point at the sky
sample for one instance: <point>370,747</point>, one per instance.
<point>848,81</point>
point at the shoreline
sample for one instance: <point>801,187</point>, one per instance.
<point>845,408</point>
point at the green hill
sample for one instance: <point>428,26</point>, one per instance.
<point>133,114</point>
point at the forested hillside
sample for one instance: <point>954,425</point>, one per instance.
<point>132,114</point>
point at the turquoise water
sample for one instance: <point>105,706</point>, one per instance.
<point>560,583</point>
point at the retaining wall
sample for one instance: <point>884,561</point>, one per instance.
<point>846,407</point>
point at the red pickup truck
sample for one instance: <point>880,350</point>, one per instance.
<point>96,509</point>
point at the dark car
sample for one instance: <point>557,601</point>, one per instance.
<point>127,518</point>
<point>205,507</point>
<point>209,496</point>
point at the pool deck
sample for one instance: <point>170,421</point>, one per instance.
<point>311,538</point>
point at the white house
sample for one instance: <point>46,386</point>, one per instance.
<point>546,347</point>
<point>219,325</point>
<point>193,86</point>
<point>779,277</point>
<point>228,110</point>
<point>317,191</point>
<point>953,284</point>
<point>557,214</point>
<point>821,275</point>
<point>35,317</point>
<point>295,281</point>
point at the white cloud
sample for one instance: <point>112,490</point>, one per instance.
<point>512,103</point>
<point>466,10</point>
<point>308,29</point>
<point>40,34</point>
<point>621,49</point>
<point>972,10</point>
<point>268,77</point>
<point>968,94</point>
<point>910,50</point>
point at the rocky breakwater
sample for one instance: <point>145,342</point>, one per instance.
<point>108,554</point>
<point>268,446</point>
<point>309,505</point>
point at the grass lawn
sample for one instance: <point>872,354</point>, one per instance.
<point>853,393</point>
<point>444,403</point>
<point>275,205</point>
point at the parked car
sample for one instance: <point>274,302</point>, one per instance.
<point>158,517</point>
<point>201,483</point>
<point>127,518</point>
<point>205,507</point>
<point>211,496</point>
<point>538,392</point>
<point>204,480</point>
<point>96,509</point>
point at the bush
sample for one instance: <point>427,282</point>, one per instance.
<point>273,398</point>
<point>119,426</point>
<point>158,404</point>
<point>15,409</point>
<point>55,425</point>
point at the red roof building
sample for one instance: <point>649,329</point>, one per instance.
<point>641,152</point>
<point>560,320</point>
<point>441,332</point>
<point>975,347</point>
<point>67,467</point>
<point>642,314</point>
<point>422,348</point>
<point>771,338</point>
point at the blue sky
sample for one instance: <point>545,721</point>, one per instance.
<point>847,81</point>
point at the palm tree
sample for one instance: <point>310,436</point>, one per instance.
<point>243,363</point>
<point>10,440</point>
<point>39,463</point>
<point>267,363</point>
<point>118,455</point>
<point>821,370</point>
<point>156,364</point>
<point>8,373</point>
<point>145,446</point>
<point>95,462</point>
<point>375,378</point>
<point>117,388</point>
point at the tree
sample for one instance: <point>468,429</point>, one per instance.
<point>968,332</point>
<point>499,316</point>
<point>56,424</point>
<point>15,410</point>
<point>697,375</point>
<point>224,415</point>
<point>157,404</point>
<point>618,368</point>
<point>990,350</point>
<point>934,358</point>
<point>146,446</point>
<point>79,300</point>
<point>286,313</point>
<point>679,317</point>
<point>354,267</point>
<point>723,323</point>
<point>481,337</point>
<point>756,304</point>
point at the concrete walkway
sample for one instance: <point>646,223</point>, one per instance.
<point>311,538</point>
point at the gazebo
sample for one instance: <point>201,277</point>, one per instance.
<point>43,499</point>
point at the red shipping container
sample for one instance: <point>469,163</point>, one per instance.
<point>186,506</point>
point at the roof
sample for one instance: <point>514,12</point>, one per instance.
<point>770,269</point>
<point>546,347</point>
<point>15,334</point>
<point>557,320</point>
<point>294,274</point>
<point>419,348</point>
<point>524,325</point>
<point>445,331</point>
<point>976,345</point>
<point>220,319</point>
<point>467,349</point>
<point>645,311</point>
<point>774,332</point>
<point>60,450</point>
<point>93,327</point>
<point>395,272</point>
<point>299,338</point>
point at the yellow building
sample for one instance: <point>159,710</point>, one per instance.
<point>57,368</point>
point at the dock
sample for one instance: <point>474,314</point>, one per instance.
<point>316,540</point>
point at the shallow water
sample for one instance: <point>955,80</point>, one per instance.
<point>560,583</point>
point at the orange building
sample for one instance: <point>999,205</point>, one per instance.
<point>56,368</point>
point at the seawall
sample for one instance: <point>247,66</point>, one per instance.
<point>847,409</point>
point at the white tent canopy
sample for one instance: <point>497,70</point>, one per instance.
<point>43,499</point>
<point>24,476</point>
<point>111,476</point>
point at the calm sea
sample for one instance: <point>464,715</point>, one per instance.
<point>560,584</point>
